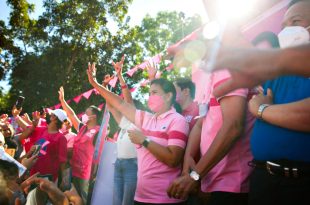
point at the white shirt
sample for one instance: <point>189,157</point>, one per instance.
<point>125,148</point>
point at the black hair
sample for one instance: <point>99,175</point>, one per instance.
<point>96,111</point>
<point>168,87</point>
<point>293,2</point>
<point>59,123</point>
<point>9,170</point>
<point>184,83</point>
<point>269,36</point>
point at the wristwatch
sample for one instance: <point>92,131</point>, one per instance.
<point>146,142</point>
<point>194,175</point>
<point>261,109</point>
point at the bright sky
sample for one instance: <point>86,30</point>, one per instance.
<point>137,10</point>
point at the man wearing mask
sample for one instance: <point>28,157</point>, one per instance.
<point>280,140</point>
<point>51,144</point>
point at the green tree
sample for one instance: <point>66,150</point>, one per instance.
<point>56,48</point>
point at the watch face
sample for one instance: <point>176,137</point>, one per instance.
<point>194,175</point>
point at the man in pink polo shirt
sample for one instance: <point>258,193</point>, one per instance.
<point>225,149</point>
<point>185,97</point>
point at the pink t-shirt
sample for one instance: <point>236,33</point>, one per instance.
<point>32,138</point>
<point>70,139</point>
<point>154,177</point>
<point>83,151</point>
<point>231,174</point>
<point>190,113</point>
<point>53,152</point>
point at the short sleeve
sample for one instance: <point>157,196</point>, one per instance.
<point>219,78</point>
<point>178,132</point>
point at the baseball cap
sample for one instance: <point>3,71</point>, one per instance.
<point>60,114</point>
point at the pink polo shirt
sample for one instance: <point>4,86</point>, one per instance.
<point>231,174</point>
<point>190,113</point>
<point>83,151</point>
<point>154,177</point>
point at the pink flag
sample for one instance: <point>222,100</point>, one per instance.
<point>96,91</point>
<point>158,74</point>
<point>113,81</point>
<point>144,83</point>
<point>87,94</point>
<point>132,71</point>
<point>169,67</point>
<point>157,58</point>
<point>101,106</point>
<point>57,106</point>
<point>143,65</point>
<point>77,99</point>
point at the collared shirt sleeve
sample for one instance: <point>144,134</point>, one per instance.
<point>219,78</point>
<point>178,133</point>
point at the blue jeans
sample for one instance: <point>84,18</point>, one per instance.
<point>125,181</point>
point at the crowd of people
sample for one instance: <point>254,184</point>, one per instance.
<point>247,143</point>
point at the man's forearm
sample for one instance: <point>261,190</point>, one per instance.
<point>224,140</point>
<point>295,116</point>
<point>295,61</point>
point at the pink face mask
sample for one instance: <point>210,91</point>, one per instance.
<point>156,103</point>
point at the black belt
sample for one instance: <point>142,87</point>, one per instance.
<point>284,168</point>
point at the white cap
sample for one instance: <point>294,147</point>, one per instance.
<point>60,114</point>
<point>2,138</point>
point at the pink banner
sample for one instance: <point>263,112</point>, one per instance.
<point>113,81</point>
<point>132,71</point>
<point>87,94</point>
<point>77,99</point>
<point>57,106</point>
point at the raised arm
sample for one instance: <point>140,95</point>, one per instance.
<point>128,110</point>
<point>70,112</point>
<point>118,66</point>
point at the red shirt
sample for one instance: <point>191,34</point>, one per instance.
<point>53,152</point>
<point>190,112</point>
<point>83,151</point>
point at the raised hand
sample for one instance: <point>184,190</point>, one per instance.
<point>91,73</point>
<point>118,66</point>
<point>61,93</point>
<point>151,70</point>
<point>73,196</point>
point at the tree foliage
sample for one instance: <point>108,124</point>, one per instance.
<point>53,50</point>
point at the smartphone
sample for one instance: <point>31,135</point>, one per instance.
<point>20,101</point>
<point>44,176</point>
<point>42,110</point>
<point>37,150</point>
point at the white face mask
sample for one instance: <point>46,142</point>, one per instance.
<point>293,36</point>
<point>85,119</point>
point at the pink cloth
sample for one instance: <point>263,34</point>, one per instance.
<point>83,151</point>
<point>154,177</point>
<point>231,174</point>
<point>32,138</point>
<point>70,139</point>
<point>53,152</point>
<point>190,113</point>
